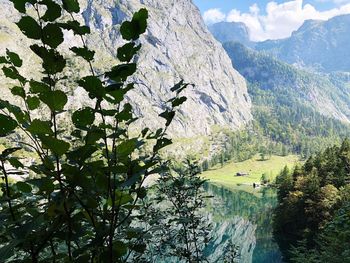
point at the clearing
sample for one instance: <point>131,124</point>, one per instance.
<point>255,168</point>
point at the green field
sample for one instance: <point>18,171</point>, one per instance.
<point>226,176</point>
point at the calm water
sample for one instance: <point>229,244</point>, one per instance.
<point>246,220</point>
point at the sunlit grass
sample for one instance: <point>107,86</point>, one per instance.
<point>226,175</point>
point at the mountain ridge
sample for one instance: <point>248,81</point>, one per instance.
<point>318,45</point>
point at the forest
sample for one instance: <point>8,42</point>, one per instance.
<point>312,217</point>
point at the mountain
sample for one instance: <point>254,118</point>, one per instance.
<point>312,89</point>
<point>231,32</point>
<point>293,106</point>
<point>177,45</point>
<point>320,45</point>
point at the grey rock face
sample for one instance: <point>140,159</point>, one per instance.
<point>231,32</point>
<point>176,46</point>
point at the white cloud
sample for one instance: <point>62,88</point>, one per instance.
<point>212,16</point>
<point>280,20</point>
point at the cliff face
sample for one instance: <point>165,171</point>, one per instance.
<point>176,46</point>
<point>231,32</point>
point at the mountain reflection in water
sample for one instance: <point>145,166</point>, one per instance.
<point>246,219</point>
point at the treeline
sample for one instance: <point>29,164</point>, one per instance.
<point>312,218</point>
<point>300,128</point>
<point>243,145</point>
<point>285,121</point>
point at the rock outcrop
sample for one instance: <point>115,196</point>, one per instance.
<point>177,45</point>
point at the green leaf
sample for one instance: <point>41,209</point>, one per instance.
<point>14,58</point>
<point>131,30</point>
<point>24,187</point>
<point>40,127</point>
<point>81,154</point>
<point>12,73</point>
<point>44,184</point>
<point>57,146</point>
<point>33,102</point>
<point>120,249</point>
<point>53,10</point>
<point>85,53</point>
<point>55,100</point>
<point>93,86</point>
<point>15,163</point>
<point>75,27</point>
<point>122,198</point>
<point>4,60</point>
<point>178,101</point>
<point>121,72</point>
<point>29,27</point>
<point>83,117</point>
<point>127,147</point>
<point>52,35</point>
<point>18,91</point>
<point>8,250</point>
<point>179,87</point>
<point>7,125</point>
<point>117,93</point>
<point>161,143</point>
<point>168,116</point>
<point>125,114</point>
<point>38,87</point>
<point>71,6</point>
<point>9,151</point>
<point>21,117</point>
<point>53,62</point>
<point>94,135</point>
<point>127,52</point>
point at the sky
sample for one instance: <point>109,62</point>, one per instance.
<point>268,19</point>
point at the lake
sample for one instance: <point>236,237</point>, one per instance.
<point>245,219</point>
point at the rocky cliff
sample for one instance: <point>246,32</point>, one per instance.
<point>231,32</point>
<point>176,46</point>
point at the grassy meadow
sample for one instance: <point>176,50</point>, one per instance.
<point>226,175</point>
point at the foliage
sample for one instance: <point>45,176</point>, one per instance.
<point>310,200</point>
<point>231,254</point>
<point>332,244</point>
<point>82,200</point>
<point>181,231</point>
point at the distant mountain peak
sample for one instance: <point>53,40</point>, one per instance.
<point>231,31</point>
<point>320,45</point>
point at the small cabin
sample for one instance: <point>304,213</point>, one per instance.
<point>256,185</point>
<point>242,174</point>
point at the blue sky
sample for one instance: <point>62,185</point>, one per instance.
<point>267,19</point>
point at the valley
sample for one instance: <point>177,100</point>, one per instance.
<point>244,143</point>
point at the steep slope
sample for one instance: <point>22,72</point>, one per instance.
<point>314,90</point>
<point>176,46</point>
<point>231,32</point>
<point>291,105</point>
<point>321,45</point>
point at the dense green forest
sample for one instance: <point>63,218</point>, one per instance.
<point>312,218</point>
<point>282,108</point>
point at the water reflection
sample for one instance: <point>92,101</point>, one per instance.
<point>246,219</point>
